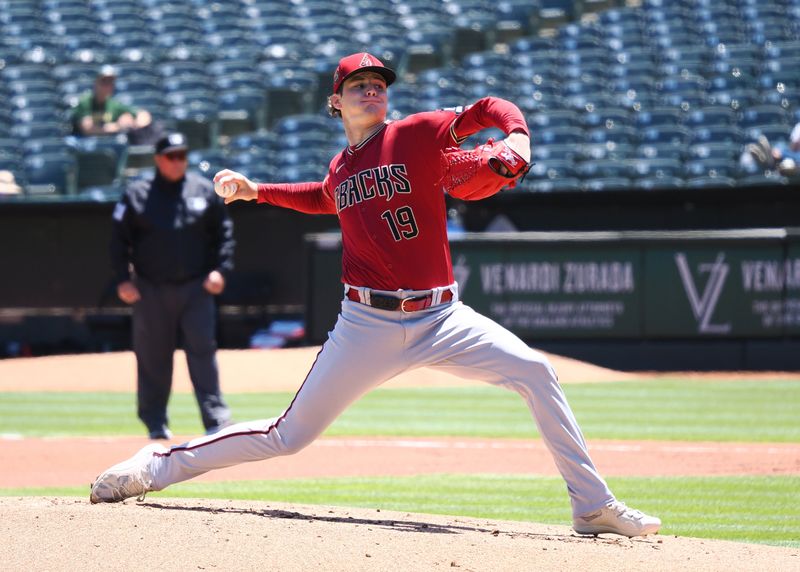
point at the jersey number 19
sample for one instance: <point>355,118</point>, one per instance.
<point>401,222</point>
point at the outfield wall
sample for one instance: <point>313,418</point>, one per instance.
<point>581,294</point>
<point>727,299</point>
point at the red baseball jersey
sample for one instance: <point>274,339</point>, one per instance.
<point>387,193</point>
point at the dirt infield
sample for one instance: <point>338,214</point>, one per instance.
<point>200,534</point>
<point>61,534</point>
<point>241,371</point>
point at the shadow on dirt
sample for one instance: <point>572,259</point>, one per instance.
<point>396,525</point>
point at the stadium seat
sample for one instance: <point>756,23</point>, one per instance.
<point>736,99</point>
<point>558,135</point>
<point>684,100</point>
<point>567,152</point>
<point>26,73</point>
<point>552,169</point>
<point>10,148</point>
<point>318,158</point>
<point>602,169</point>
<point>303,174</point>
<point>666,150</point>
<point>684,83</point>
<point>137,82</point>
<point>50,174</point>
<point>717,134</point>
<point>782,50</point>
<point>185,83</point>
<point>198,121</point>
<point>565,184</point>
<point>710,116</point>
<point>676,135</point>
<point>585,101</point>
<point>635,68</point>
<point>743,71</point>
<point>609,150</point>
<point>763,115</point>
<point>729,151</point>
<point>289,92</point>
<point>735,54</point>
<point>254,158</point>
<point>266,141</point>
<point>607,184</point>
<point>30,87</point>
<point>656,183</point>
<point>710,167</point>
<point>614,134</point>
<point>607,118</point>
<point>261,174</point>
<point>762,180</point>
<point>207,155</point>
<point>305,124</point>
<point>657,117</point>
<point>241,111</point>
<point>710,182</point>
<point>37,129</point>
<point>38,114</point>
<point>44,145</point>
<point>533,45</point>
<point>656,168</point>
<point>668,68</point>
<point>786,98</point>
<point>639,84</point>
<point>99,167</point>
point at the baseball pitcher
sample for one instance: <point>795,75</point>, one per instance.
<point>400,308</point>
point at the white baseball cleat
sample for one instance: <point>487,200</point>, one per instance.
<point>616,518</point>
<point>130,478</point>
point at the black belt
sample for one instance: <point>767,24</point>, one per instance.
<point>412,304</point>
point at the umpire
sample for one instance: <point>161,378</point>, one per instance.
<point>176,234</point>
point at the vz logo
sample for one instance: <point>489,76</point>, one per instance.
<point>703,306</point>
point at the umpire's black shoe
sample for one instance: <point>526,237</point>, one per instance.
<point>160,433</point>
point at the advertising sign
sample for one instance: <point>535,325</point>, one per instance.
<point>546,292</point>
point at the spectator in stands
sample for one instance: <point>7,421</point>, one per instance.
<point>100,113</point>
<point>177,235</point>
<point>783,155</point>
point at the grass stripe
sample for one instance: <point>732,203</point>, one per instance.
<point>755,411</point>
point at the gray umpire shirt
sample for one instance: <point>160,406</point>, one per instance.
<point>171,232</point>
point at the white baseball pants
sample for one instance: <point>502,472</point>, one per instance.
<point>369,346</point>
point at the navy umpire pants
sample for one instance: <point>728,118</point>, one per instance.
<point>165,312</point>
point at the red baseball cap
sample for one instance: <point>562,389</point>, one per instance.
<point>362,61</point>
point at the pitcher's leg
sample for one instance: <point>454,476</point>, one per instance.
<point>482,349</point>
<point>342,372</point>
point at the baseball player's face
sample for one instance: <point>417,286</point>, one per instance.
<point>364,96</point>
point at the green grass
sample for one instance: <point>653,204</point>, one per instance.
<point>745,509</point>
<point>755,411</point>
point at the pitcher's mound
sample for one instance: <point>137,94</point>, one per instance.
<point>201,534</point>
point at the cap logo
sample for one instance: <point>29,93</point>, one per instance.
<point>365,62</point>
<point>175,139</point>
<point>336,76</point>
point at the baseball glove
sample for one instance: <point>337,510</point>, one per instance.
<point>481,172</point>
